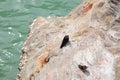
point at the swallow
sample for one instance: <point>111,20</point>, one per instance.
<point>82,67</point>
<point>65,41</point>
<point>47,59</point>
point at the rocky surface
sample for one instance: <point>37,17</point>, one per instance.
<point>92,51</point>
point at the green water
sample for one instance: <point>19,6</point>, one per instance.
<point>15,16</point>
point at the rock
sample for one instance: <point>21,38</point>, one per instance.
<point>93,52</point>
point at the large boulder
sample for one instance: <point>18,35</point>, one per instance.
<point>84,45</point>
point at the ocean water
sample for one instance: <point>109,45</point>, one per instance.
<point>15,17</point>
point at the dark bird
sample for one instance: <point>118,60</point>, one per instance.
<point>65,41</point>
<point>82,67</point>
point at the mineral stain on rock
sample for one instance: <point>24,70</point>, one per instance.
<point>87,8</point>
<point>32,77</point>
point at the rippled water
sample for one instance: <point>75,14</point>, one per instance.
<point>15,16</point>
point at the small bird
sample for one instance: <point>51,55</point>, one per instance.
<point>47,59</point>
<point>65,41</point>
<point>82,67</point>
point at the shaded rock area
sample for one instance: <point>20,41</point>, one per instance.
<point>84,45</point>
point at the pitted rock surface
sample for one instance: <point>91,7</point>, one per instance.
<point>94,41</point>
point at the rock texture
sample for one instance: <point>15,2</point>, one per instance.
<point>92,51</point>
